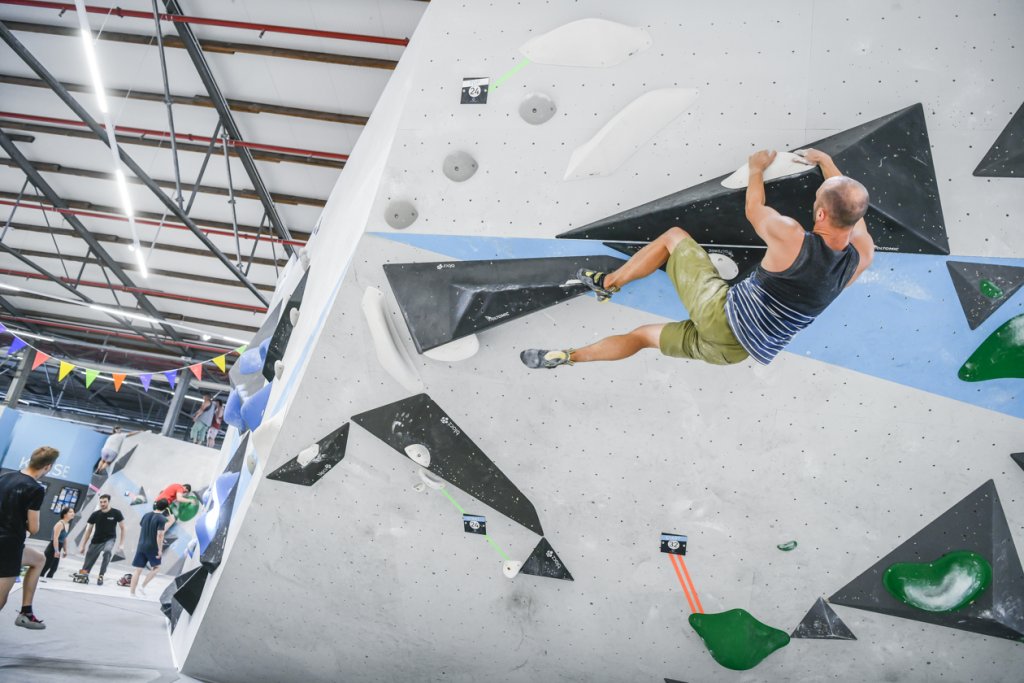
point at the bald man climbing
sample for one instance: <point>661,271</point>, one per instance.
<point>800,275</point>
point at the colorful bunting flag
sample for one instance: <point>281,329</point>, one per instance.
<point>172,377</point>
<point>2,328</point>
<point>65,368</point>
<point>17,344</point>
<point>145,378</point>
<point>197,370</point>
<point>219,361</point>
<point>40,359</point>
<point>90,375</point>
<point>118,378</point>
<point>241,349</point>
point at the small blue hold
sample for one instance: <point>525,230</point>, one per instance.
<point>250,361</point>
<point>233,411</point>
<point>255,406</point>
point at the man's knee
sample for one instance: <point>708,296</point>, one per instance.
<point>650,335</point>
<point>32,558</point>
<point>672,237</point>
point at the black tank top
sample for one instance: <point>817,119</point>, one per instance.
<point>816,278</point>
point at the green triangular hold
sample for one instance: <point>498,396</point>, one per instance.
<point>1001,356</point>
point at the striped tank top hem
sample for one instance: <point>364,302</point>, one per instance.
<point>763,325</point>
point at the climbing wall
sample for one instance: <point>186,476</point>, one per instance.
<point>417,505</point>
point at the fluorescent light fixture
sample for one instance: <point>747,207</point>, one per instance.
<point>124,314</point>
<point>31,335</point>
<point>10,287</point>
<point>90,59</point>
<point>140,258</point>
<point>122,187</point>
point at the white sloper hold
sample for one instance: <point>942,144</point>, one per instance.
<point>510,568</point>
<point>385,343</point>
<point>627,131</point>
<point>454,351</point>
<point>785,163</point>
<point>587,42</point>
<point>419,454</point>
<point>307,455</point>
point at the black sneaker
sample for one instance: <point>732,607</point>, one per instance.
<point>99,580</point>
<point>594,280</point>
<point>541,359</point>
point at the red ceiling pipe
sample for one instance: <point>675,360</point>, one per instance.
<point>183,19</point>
<point>145,221</point>
<point>138,290</point>
<point>109,333</point>
<point>190,137</point>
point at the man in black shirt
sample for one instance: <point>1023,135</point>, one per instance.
<point>105,522</point>
<point>21,496</point>
<point>151,543</point>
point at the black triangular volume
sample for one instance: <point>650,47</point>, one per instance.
<point>672,680</point>
<point>238,457</point>
<point>977,523</point>
<point>1005,159</point>
<point>117,557</point>
<point>332,450</point>
<point>544,561</point>
<point>191,590</point>
<point>822,622</point>
<point>982,288</point>
<point>214,552</point>
<point>445,301</point>
<point>453,455</point>
<point>122,461</point>
<point>250,383</point>
<point>890,155</point>
<point>745,258</point>
<point>1018,458</point>
<point>283,331</point>
<point>175,613</point>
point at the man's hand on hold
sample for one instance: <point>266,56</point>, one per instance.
<point>814,156</point>
<point>761,160</point>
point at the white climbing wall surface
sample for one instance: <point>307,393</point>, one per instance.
<point>849,443</point>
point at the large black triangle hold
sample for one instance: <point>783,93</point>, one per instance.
<point>977,524</point>
<point>890,155</point>
<point>122,461</point>
<point>1005,159</point>
<point>191,590</point>
<point>330,451</point>
<point>822,622</point>
<point>442,302</point>
<point>983,287</point>
<point>418,420</point>
<point>544,561</point>
<point>1018,458</point>
<point>284,328</point>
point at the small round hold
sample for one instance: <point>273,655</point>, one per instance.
<point>293,316</point>
<point>511,568</point>
<point>250,461</point>
<point>537,108</point>
<point>431,480</point>
<point>304,258</point>
<point>278,369</point>
<point>727,268</point>
<point>419,454</point>
<point>400,214</point>
<point>459,166</point>
<point>419,487</point>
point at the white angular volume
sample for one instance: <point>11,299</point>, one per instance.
<point>785,163</point>
<point>620,138</point>
<point>587,42</point>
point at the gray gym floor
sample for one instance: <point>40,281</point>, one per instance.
<point>88,637</point>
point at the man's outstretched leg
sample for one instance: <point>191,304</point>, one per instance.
<point>640,265</point>
<point>35,561</point>
<point>616,347</point>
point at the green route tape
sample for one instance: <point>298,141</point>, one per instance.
<point>505,76</point>
<point>489,539</point>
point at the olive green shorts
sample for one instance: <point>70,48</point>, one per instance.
<point>706,335</point>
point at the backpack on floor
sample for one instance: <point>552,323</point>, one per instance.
<point>125,580</point>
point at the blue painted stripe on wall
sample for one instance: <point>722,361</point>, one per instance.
<point>902,321</point>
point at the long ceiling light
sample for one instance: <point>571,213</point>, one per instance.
<point>101,99</point>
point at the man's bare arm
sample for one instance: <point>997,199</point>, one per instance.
<point>33,521</point>
<point>769,224</point>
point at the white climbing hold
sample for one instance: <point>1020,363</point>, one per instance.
<point>511,568</point>
<point>431,480</point>
<point>725,265</point>
<point>627,131</point>
<point>419,454</point>
<point>293,316</point>
<point>587,42</point>
<point>419,487</point>
<point>304,257</point>
<point>307,455</point>
<point>389,353</point>
<point>454,351</point>
<point>278,369</point>
<point>785,163</point>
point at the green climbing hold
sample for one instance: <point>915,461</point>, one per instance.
<point>737,640</point>
<point>1000,356</point>
<point>787,546</point>
<point>949,583</point>
<point>990,289</point>
<point>186,510</point>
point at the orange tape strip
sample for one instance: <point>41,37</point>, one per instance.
<point>700,608</point>
<point>686,591</point>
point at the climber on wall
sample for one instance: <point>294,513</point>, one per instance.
<point>799,276</point>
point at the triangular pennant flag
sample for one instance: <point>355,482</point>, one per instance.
<point>65,368</point>
<point>241,349</point>
<point>17,344</point>
<point>197,370</point>
<point>172,377</point>
<point>219,361</point>
<point>118,378</point>
<point>90,375</point>
<point>3,328</point>
<point>145,378</point>
<point>39,359</point>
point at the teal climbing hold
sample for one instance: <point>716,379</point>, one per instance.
<point>1001,356</point>
<point>737,640</point>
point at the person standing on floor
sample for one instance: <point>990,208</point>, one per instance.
<point>105,522</point>
<point>112,448</point>
<point>201,420</point>
<point>215,425</point>
<point>21,497</point>
<point>58,546</point>
<point>151,544</point>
